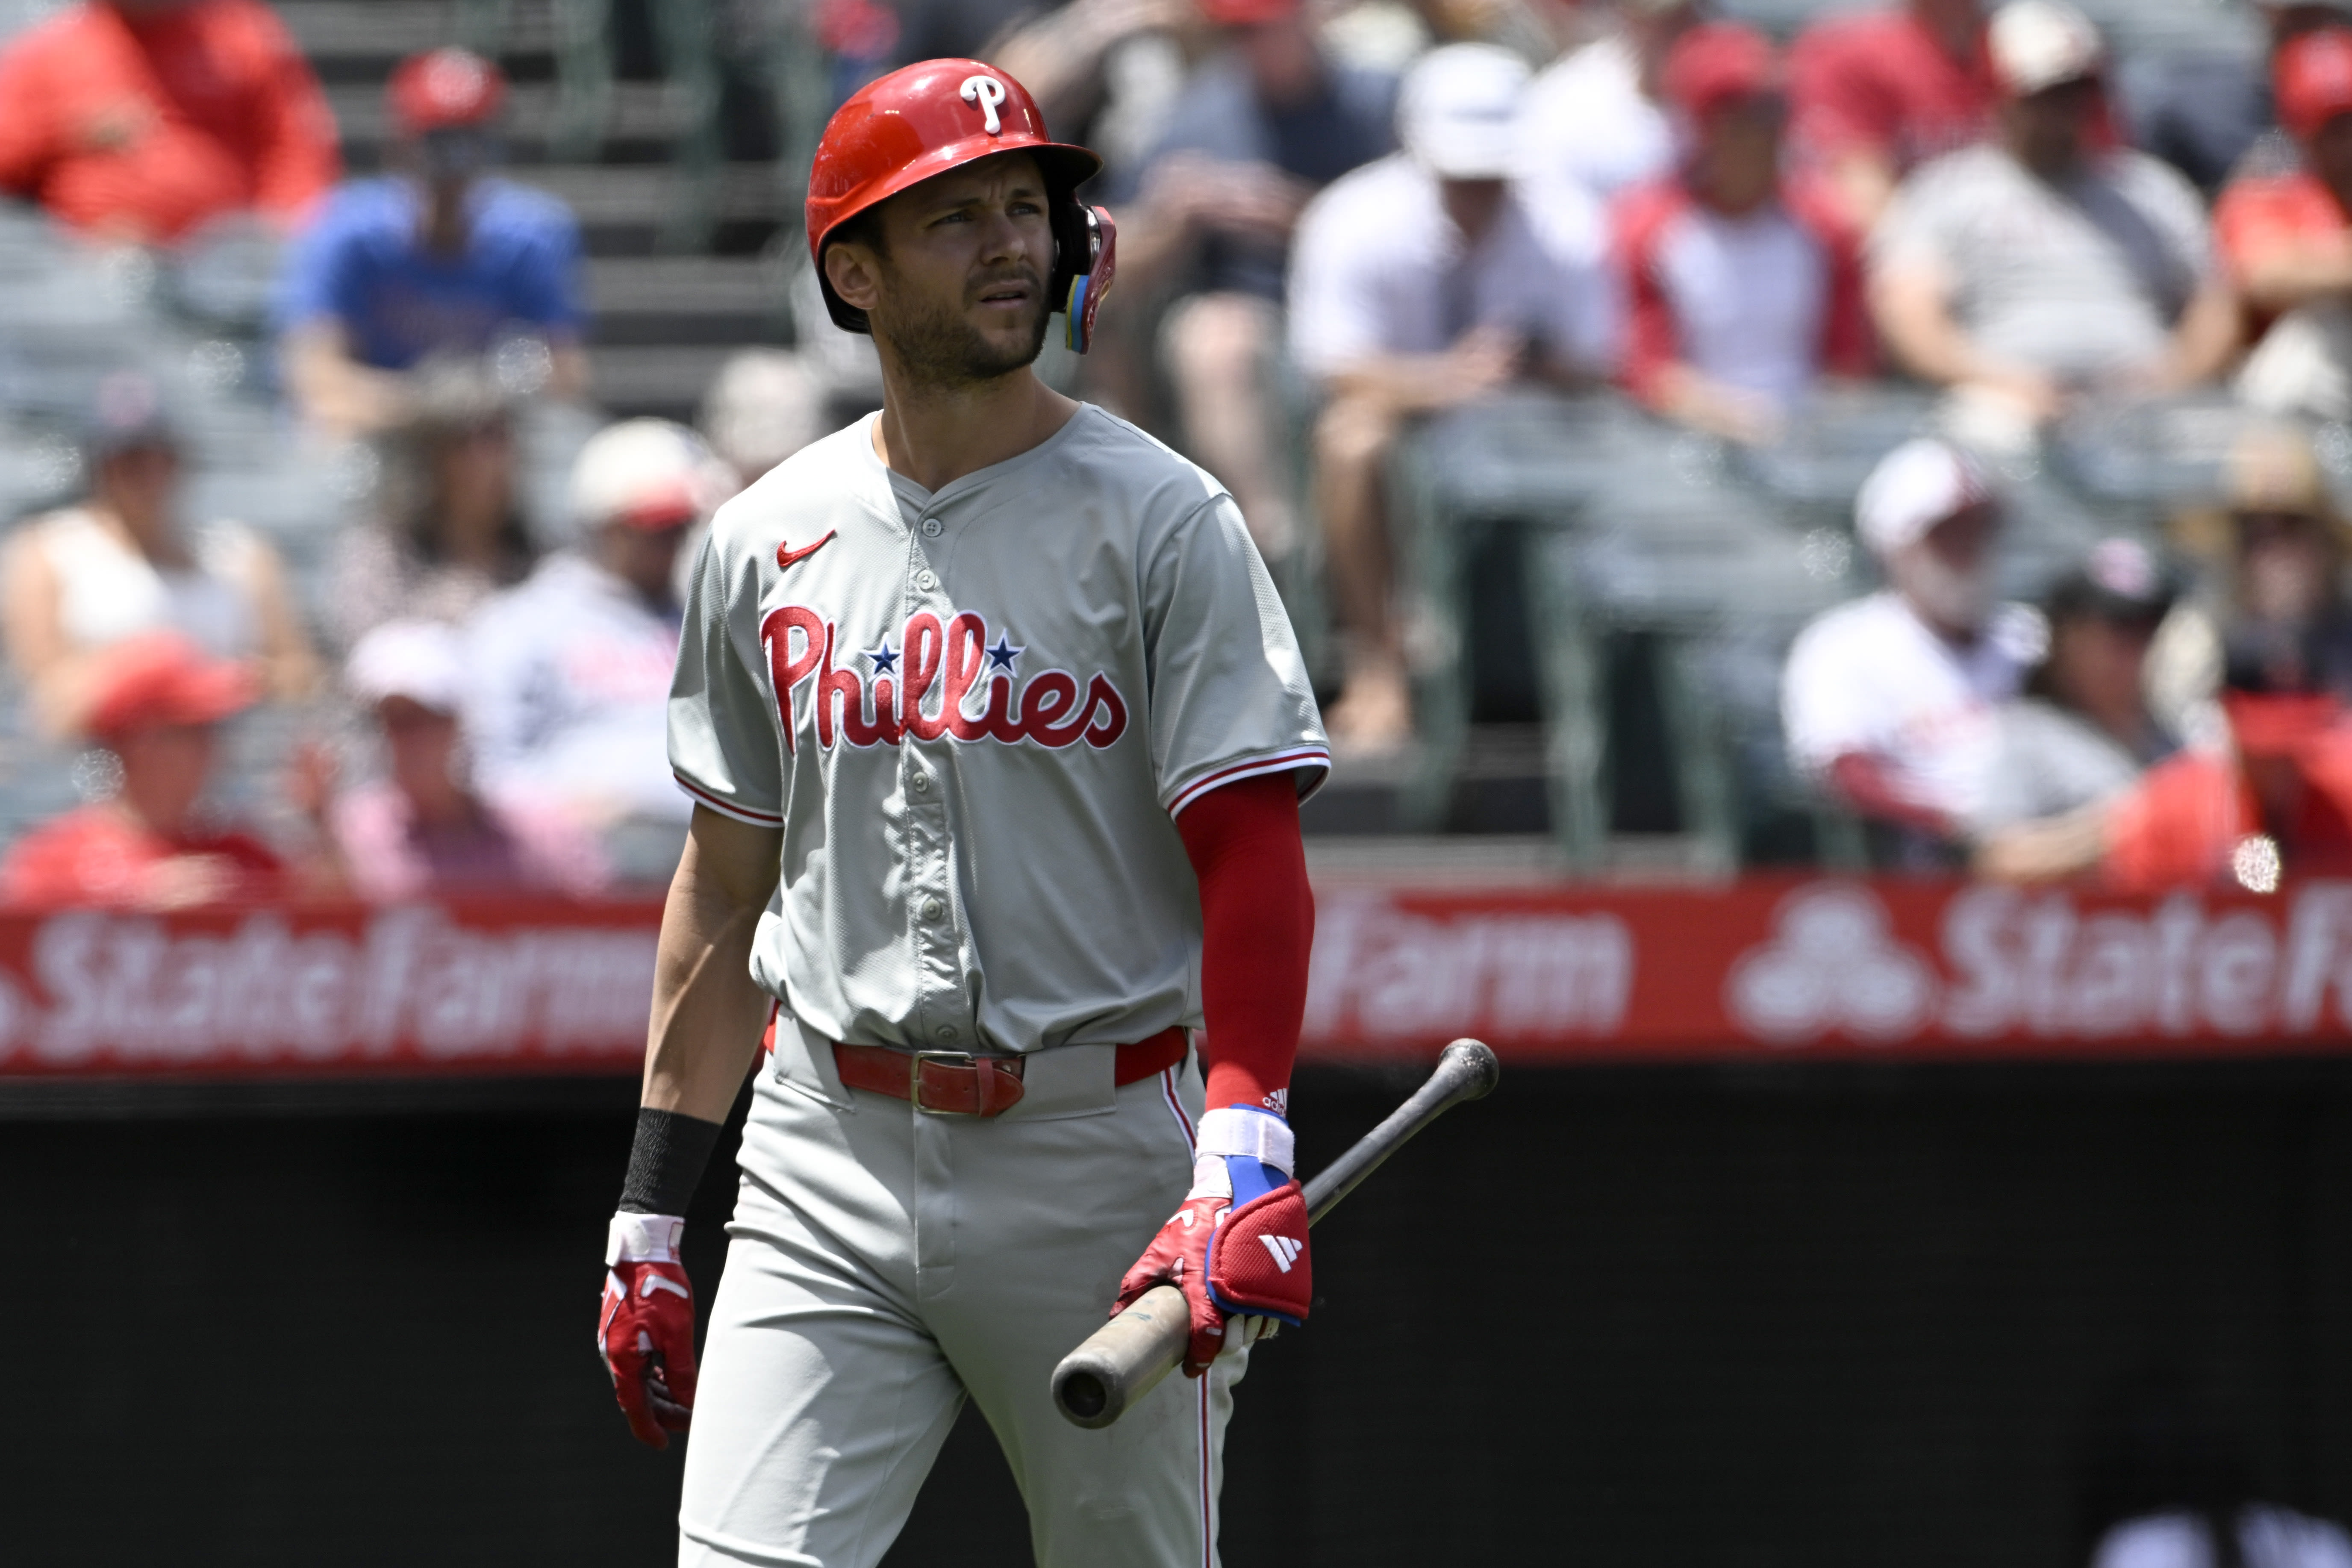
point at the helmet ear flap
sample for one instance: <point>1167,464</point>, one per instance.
<point>1085,251</point>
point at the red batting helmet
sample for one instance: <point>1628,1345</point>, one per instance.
<point>928,118</point>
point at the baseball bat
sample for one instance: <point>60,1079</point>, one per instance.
<point>1125,1358</point>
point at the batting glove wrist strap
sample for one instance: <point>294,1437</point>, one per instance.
<point>1240,1129</point>
<point>1258,1261</point>
<point>643,1238</point>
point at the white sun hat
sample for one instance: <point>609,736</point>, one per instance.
<point>1457,107</point>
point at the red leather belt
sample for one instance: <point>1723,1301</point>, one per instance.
<point>957,1083</point>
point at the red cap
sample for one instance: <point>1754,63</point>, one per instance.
<point>1246,13</point>
<point>920,121</point>
<point>2313,80</point>
<point>444,87</point>
<point>1718,65</point>
<point>162,678</point>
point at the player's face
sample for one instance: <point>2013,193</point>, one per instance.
<point>959,285</point>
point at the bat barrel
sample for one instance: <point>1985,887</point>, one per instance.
<point>1466,1070</point>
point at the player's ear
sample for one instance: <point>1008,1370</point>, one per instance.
<point>850,268</point>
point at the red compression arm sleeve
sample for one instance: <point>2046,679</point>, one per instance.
<point>1257,921</point>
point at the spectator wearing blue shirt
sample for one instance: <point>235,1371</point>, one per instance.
<point>438,260</point>
<point>1263,123</point>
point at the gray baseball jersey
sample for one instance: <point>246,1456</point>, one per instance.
<point>974,714</point>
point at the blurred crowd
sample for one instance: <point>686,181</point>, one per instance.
<point>1339,222</point>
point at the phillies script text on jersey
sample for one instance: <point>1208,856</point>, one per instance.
<point>892,696</point>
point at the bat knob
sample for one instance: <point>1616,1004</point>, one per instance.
<point>1080,1392</point>
<point>1473,1065</point>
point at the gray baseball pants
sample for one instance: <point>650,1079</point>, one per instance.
<point>885,1263</point>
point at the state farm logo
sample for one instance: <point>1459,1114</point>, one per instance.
<point>1832,965</point>
<point>1382,972</point>
<point>2049,966</point>
<point>877,696</point>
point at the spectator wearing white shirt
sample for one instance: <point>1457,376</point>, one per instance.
<point>1892,703</point>
<point>1595,121</point>
<point>1742,291</point>
<point>568,702</point>
<point>2050,263</point>
<point>1420,282</point>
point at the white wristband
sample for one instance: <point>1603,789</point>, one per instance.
<point>643,1238</point>
<point>1255,1134</point>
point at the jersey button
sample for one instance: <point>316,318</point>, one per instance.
<point>922,783</point>
<point>927,580</point>
<point>945,1031</point>
<point>930,528</point>
<point>933,908</point>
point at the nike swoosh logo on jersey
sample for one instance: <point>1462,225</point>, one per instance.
<point>786,556</point>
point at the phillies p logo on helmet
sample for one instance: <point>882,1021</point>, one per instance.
<point>987,93</point>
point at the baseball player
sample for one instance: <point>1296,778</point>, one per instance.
<point>996,733</point>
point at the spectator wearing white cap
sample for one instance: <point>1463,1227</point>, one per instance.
<point>567,695</point>
<point>2049,262</point>
<point>1420,282</point>
<point>1744,290</point>
<point>1891,702</point>
<point>424,828</point>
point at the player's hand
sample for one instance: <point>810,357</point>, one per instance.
<point>1237,1247</point>
<point>645,1326</point>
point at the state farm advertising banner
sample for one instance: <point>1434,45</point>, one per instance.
<point>1776,969</point>
<point>1760,971</point>
<point>502,987</point>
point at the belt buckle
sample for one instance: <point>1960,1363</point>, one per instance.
<point>964,1059</point>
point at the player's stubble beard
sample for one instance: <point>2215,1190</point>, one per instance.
<point>935,346</point>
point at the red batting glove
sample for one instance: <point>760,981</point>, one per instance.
<point>1179,1255</point>
<point>645,1327</point>
<point>1242,1267</point>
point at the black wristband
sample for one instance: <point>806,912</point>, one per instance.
<point>666,1161</point>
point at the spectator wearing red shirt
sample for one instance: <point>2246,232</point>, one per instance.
<point>2276,801</point>
<point>159,698</point>
<point>1742,291</point>
<point>1878,94</point>
<point>2287,239</point>
<point>138,119</point>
